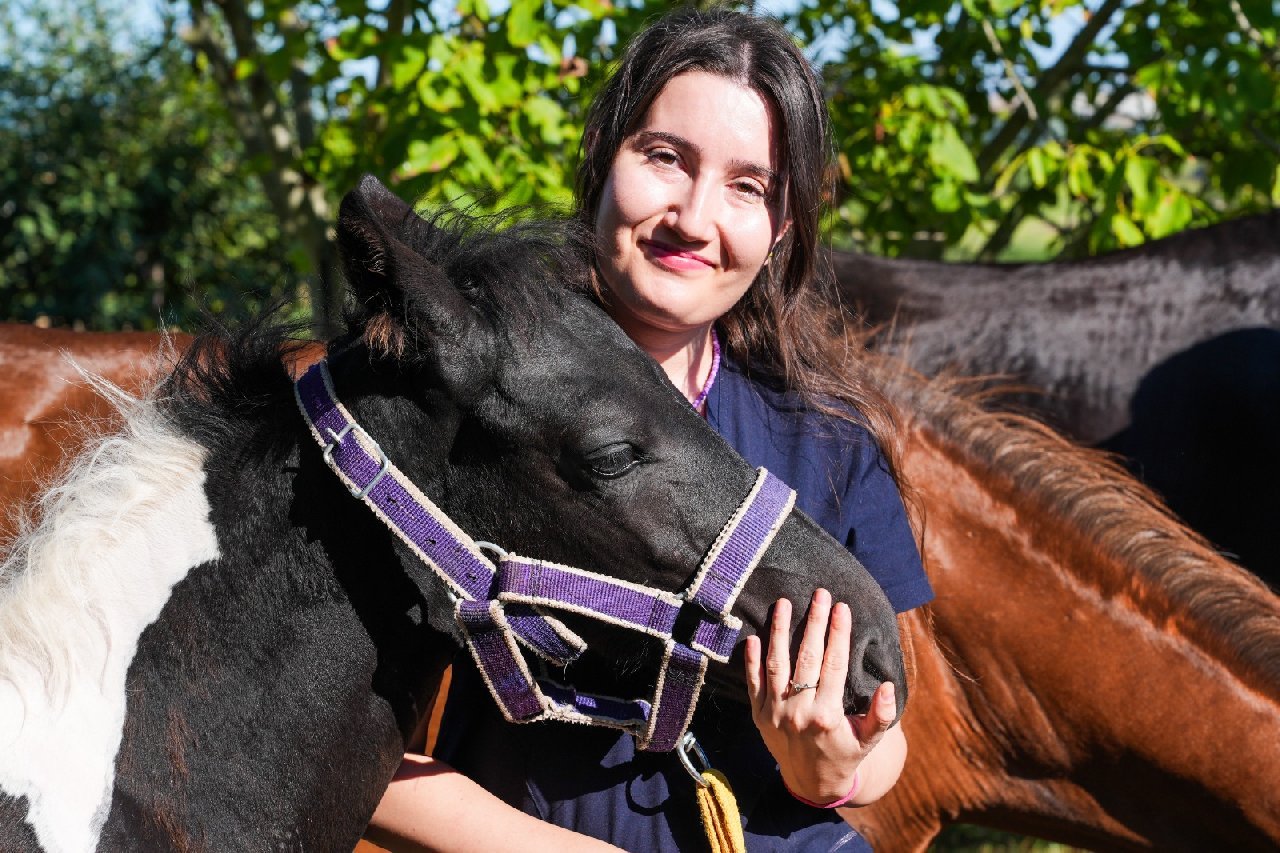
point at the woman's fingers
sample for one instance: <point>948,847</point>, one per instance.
<point>871,726</point>
<point>755,671</point>
<point>808,669</point>
<point>835,665</point>
<point>778,657</point>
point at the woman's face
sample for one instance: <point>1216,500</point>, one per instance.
<point>691,207</point>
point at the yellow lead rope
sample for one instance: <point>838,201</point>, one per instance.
<point>720,817</point>
<point>716,804</point>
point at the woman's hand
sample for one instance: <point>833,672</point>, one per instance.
<point>818,748</point>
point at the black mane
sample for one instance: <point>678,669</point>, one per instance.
<point>236,374</point>
<point>528,264</point>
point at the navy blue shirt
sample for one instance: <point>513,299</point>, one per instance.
<point>593,780</point>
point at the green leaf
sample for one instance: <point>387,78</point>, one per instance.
<point>479,8</point>
<point>1006,176</point>
<point>948,152</point>
<point>945,197</point>
<point>1171,215</point>
<point>506,91</point>
<point>438,95</point>
<point>933,101</point>
<point>546,115</point>
<point>1036,168</point>
<point>1125,231</point>
<point>407,66</point>
<point>476,156</point>
<point>1138,172</point>
<point>431,156</point>
<point>521,193</point>
<point>1080,177</point>
<point>469,66</point>
<point>522,23</point>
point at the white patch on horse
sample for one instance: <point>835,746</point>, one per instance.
<point>127,523</point>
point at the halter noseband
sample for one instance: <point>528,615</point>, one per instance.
<point>504,606</point>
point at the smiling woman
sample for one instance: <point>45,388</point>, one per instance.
<point>701,181</point>
<point>689,213</point>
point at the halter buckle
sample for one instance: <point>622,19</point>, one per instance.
<point>336,439</point>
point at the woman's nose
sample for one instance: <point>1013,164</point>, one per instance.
<point>692,214</point>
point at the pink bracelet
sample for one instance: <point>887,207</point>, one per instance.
<point>843,801</point>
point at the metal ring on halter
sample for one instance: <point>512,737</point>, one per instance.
<point>690,743</point>
<point>496,550</point>
<point>800,688</point>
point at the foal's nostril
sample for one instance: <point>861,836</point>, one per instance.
<point>872,669</point>
<point>871,665</point>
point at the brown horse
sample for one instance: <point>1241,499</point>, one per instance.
<point>1090,672</point>
<point>48,409</point>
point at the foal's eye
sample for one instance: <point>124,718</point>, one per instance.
<point>613,460</point>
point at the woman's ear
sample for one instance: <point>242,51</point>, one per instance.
<point>782,232</point>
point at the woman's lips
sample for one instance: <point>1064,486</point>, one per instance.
<point>675,259</point>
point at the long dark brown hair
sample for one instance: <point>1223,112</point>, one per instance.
<point>789,328</point>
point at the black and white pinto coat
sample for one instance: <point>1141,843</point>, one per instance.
<point>165,649</point>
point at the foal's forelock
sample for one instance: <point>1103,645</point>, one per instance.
<point>128,522</point>
<point>1225,609</point>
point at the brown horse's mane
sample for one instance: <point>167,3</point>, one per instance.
<point>1173,577</point>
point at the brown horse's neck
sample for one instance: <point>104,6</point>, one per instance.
<point>1099,676</point>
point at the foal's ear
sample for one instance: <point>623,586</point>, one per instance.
<point>408,305</point>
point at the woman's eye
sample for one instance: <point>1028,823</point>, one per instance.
<point>662,156</point>
<point>613,461</point>
<point>750,189</point>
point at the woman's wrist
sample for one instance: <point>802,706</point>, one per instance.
<point>836,803</point>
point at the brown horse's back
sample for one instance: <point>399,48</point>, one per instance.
<point>48,411</point>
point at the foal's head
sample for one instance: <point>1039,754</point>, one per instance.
<point>530,417</point>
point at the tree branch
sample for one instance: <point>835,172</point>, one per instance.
<point>1263,137</point>
<point>1270,55</point>
<point>298,201</point>
<point>301,106</point>
<point>397,12</point>
<point>266,102</point>
<point>203,38</point>
<point>1010,71</point>
<point>1069,63</point>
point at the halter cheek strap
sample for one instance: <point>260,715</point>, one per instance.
<point>503,607</point>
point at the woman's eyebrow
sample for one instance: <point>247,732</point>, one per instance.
<point>756,170</point>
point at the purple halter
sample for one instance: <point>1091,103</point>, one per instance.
<point>504,606</point>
